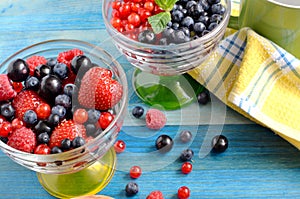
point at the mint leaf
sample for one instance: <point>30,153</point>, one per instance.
<point>159,21</point>
<point>166,5</point>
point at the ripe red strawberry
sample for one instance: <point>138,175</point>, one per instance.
<point>35,61</point>
<point>23,139</point>
<point>24,101</point>
<point>155,195</point>
<point>66,129</point>
<point>6,90</point>
<point>98,90</point>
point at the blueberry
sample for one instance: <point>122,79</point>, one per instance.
<point>81,63</point>
<point>187,155</point>
<point>91,130</point>
<point>42,71</point>
<point>32,83</point>
<point>78,142</point>
<point>51,62</point>
<point>53,120</point>
<point>56,150</point>
<point>59,110</point>
<point>63,100</point>
<point>4,139</point>
<point>164,143</point>
<point>205,5</point>
<point>50,87</point>
<point>199,27</point>
<point>7,111</point>
<point>204,19</point>
<point>66,144</point>
<point>213,1</point>
<point>185,136</point>
<point>18,70</point>
<point>218,9</point>
<point>195,11</point>
<point>186,31</point>
<point>189,4</point>
<point>43,138</point>
<point>163,41</point>
<point>167,32</point>
<point>182,2</point>
<point>177,16</point>
<point>131,189</point>
<point>203,97</point>
<point>205,32</point>
<point>175,26</point>
<point>219,144</point>
<point>188,22</point>
<point>60,70</point>
<point>179,37</point>
<point>70,89</point>
<point>42,127</point>
<point>93,116</point>
<point>147,36</point>
<point>30,117</point>
<point>212,26</point>
<point>138,111</point>
<point>217,18</point>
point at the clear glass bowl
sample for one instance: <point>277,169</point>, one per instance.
<point>99,150</point>
<point>166,59</point>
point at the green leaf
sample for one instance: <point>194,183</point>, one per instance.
<point>159,21</point>
<point>166,5</point>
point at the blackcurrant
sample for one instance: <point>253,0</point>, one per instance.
<point>164,143</point>
<point>18,70</point>
<point>219,144</point>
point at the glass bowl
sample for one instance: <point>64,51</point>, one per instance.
<point>95,159</point>
<point>166,59</point>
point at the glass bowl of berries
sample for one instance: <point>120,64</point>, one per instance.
<point>166,39</point>
<point>62,106</point>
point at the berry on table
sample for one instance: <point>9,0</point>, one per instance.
<point>187,155</point>
<point>186,167</point>
<point>203,97</point>
<point>155,195</point>
<point>219,144</point>
<point>131,189</point>
<point>155,119</point>
<point>183,192</point>
<point>138,111</point>
<point>164,143</point>
<point>6,90</point>
<point>119,146</point>
<point>135,172</point>
<point>185,136</point>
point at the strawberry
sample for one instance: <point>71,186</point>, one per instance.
<point>66,129</point>
<point>24,101</point>
<point>35,61</point>
<point>99,90</point>
<point>23,139</point>
<point>6,89</point>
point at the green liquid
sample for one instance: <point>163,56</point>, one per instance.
<point>167,92</point>
<point>88,181</point>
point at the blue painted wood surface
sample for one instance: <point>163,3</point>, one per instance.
<point>257,164</point>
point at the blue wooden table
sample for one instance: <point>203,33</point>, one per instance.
<point>257,164</point>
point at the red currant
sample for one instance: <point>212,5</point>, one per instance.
<point>134,19</point>
<point>135,172</point>
<point>119,146</point>
<point>17,123</point>
<point>116,22</point>
<point>135,7</point>
<point>43,111</point>
<point>18,86</point>
<point>144,15</point>
<point>186,167</point>
<point>149,6</point>
<point>105,119</point>
<point>5,129</point>
<point>115,14</point>
<point>183,192</point>
<point>125,11</point>
<point>116,5</point>
<point>80,116</point>
<point>42,149</point>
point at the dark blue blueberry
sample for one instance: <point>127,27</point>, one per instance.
<point>78,142</point>
<point>32,83</point>
<point>30,117</point>
<point>199,27</point>
<point>51,62</point>
<point>175,26</point>
<point>56,150</point>
<point>59,110</point>
<point>18,70</point>
<point>219,144</point>
<point>212,26</point>
<point>42,127</point>
<point>216,18</point>
<point>186,31</point>
<point>50,87</point>
<point>66,144</point>
<point>42,71</point>
<point>7,110</point>
<point>213,1</point>
<point>186,155</point>
<point>218,9</point>
<point>93,116</point>
<point>163,41</point>
<point>63,100</point>
<point>138,111</point>
<point>43,138</point>
<point>131,189</point>
<point>188,22</point>
<point>205,32</point>
<point>205,5</point>
<point>169,24</point>
<point>81,64</point>
<point>179,37</point>
<point>189,4</point>
<point>91,130</point>
<point>204,19</point>
<point>167,32</point>
<point>60,70</point>
<point>70,89</point>
<point>177,16</point>
<point>203,97</point>
<point>147,36</point>
<point>195,11</point>
<point>53,120</point>
<point>182,2</point>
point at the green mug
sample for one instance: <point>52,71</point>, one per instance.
<point>276,20</point>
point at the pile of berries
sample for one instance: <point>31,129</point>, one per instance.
<point>52,105</point>
<point>190,19</point>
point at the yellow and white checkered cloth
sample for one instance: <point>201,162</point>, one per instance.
<point>258,79</point>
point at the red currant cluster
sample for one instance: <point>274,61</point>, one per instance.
<point>131,16</point>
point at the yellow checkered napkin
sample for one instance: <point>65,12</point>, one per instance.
<point>258,79</point>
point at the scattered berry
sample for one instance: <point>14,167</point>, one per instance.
<point>138,111</point>
<point>219,143</point>
<point>186,167</point>
<point>185,136</point>
<point>164,143</point>
<point>183,192</point>
<point>187,155</point>
<point>155,119</point>
<point>131,189</point>
<point>22,139</point>
<point>119,146</point>
<point>203,97</point>
<point>155,195</point>
<point>6,90</point>
<point>135,172</point>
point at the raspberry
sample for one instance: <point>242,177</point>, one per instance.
<point>155,195</point>
<point>6,90</point>
<point>155,119</point>
<point>67,56</point>
<point>35,61</point>
<point>23,139</point>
